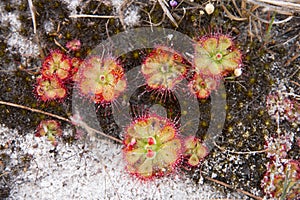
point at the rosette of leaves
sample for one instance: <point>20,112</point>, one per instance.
<point>202,86</point>
<point>163,69</point>
<point>194,150</point>
<point>48,89</point>
<point>101,79</point>
<point>57,65</point>
<point>152,147</point>
<point>216,55</point>
<point>50,129</point>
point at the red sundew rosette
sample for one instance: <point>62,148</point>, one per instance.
<point>152,147</point>
<point>276,179</point>
<point>194,151</point>
<point>50,129</point>
<point>57,65</point>
<point>102,80</point>
<point>49,89</point>
<point>216,56</point>
<point>163,68</point>
<point>202,86</point>
<point>73,45</point>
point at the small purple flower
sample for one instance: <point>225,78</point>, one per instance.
<point>173,3</point>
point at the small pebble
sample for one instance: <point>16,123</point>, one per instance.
<point>238,72</point>
<point>209,8</point>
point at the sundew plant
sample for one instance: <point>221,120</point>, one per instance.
<point>197,92</point>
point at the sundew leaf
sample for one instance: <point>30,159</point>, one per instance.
<point>229,64</point>
<point>210,45</point>
<point>150,66</point>
<point>108,93</point>
<point>142,130</point>
<point>202,151</point>
<point>167,133</point>
<point>193,160</point>
<point>190,143</point>
<point>169,151</point>
<point>224,43</point>
<point>134,155</point>
<point>145,169</point>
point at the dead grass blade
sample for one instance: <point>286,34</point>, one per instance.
<point>286,7</point>
<point>32,12</point>
<point>231,16</point>
<point>88,128</point>
<point>167,12</point>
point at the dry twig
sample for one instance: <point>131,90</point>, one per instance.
<point>94,16</point>
<point>32,11</point>
<point>231,16</point>
<point>283,7</point>
<point>167,12</point>
<point>88,128</point>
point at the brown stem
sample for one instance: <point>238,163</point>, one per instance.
<point>57,117</point>
<point>35,110</point>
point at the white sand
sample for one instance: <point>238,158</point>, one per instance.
<point>94,170</point>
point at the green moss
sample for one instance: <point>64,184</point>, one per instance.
<point>250,93</point>
<point>23,6</point>
<point>78,25</point>
<point>96,37</point>
<point>228,117</point>
<point>22,18</point>
<point>9,7</point>
<point>56,5</point>
<point>8,89</point>
<point>24,31</point>
<point>193,18</point>
<point>204,124</point>
<point>261,112</point>
<point>2,49</point>
<point>112,21</point>
<point>252,80</point>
